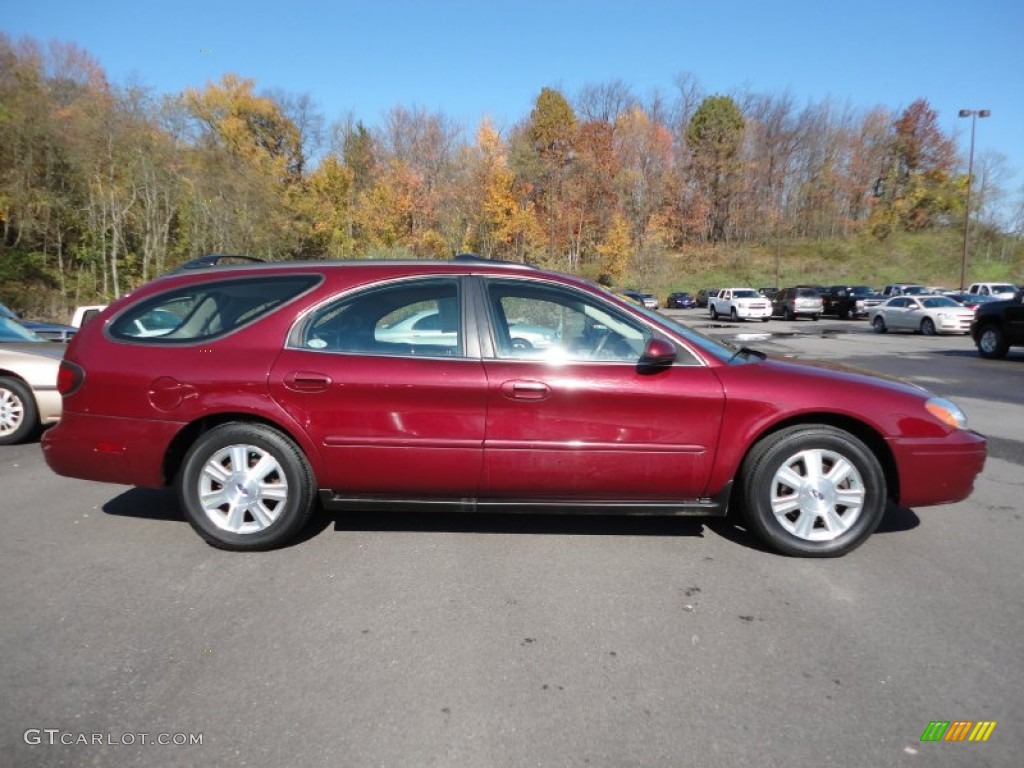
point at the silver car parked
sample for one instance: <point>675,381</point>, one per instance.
<point>927,314</point>
<point>28,382</point>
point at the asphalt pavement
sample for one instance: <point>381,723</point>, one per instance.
<point>506,640</point>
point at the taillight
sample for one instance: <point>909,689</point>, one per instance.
<point>69,377</point>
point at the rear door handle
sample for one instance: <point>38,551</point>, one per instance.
<point>307,381</point>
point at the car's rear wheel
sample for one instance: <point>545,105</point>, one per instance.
<point>246,487</point>
<point>19,417</point>
<point>928,327</point>
<point>992,342</point>
<point>879,324</point>
<point>812,491</point>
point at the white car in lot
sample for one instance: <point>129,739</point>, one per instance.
<point>995,290</point>
<point>426,327</point>
<point>740,304</point>
<point>927,314</point>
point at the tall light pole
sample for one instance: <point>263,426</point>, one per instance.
<point>974,114</point>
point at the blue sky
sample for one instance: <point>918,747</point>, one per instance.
<point>470,59</point>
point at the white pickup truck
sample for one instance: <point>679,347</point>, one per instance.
<point>995,290</point>
<point>740,304</point>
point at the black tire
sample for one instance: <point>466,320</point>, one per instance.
<point>850,314</point>
<point>714,313</point>
<point>734,315</point>
<point>789,314</point>
<point>815,318</point>
<point>992,342</point>
<point>879,324</point>
<point>765,319</point>
<point>928,327</point>
<point>19,416</point>
<point>249,518</point>
<point>813,520</point>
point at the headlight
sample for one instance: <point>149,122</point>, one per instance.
<point>944,316</point>
<point>947,412</point>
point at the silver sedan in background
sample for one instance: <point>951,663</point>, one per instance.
<point>927,314</point>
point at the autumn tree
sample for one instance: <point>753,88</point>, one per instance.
<point>917,187</point>
<point>248,158</point>
<point>714,136</point>
<point>542,153</point>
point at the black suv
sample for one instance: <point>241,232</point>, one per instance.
<point>848,302</point>
<point>998,326</point>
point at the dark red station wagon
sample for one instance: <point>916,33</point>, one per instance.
<point>261,391</point>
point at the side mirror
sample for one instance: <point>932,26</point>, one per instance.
<point>658,353</point>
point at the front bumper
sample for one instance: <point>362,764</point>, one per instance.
<point>938,470</point>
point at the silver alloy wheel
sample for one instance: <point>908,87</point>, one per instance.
<point>989,341</point>
<point>817,494</point>
<point>242,489</point>
<point>12,411</point>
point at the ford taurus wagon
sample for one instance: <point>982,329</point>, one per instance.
<point>262,392</point>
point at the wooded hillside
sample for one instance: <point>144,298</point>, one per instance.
<point>105,186</point>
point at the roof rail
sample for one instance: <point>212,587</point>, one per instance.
<point>495,262</point>
<point>213,259</point>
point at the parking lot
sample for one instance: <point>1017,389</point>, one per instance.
<point>505,640</point>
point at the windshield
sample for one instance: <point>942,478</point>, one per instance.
<point>938,301</point>
<point>861,290</point>
<point>12,330</point>
<point>915,290</point>
<point>747,293</point>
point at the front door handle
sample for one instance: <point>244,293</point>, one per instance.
<point>522,389</point>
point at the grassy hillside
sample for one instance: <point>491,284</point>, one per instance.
<point>932,258</point>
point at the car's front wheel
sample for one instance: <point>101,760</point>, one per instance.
<point>812,491</point>
<point>246,487</point>
<point>19,417</point>
<point>928,327</point>
<point>879,324</point>
<point>992,342</point>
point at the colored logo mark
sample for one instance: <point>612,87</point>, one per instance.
<point>958,730</point>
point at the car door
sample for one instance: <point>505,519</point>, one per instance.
<point>391,416</point>
<point>582,418</point>
<point>912,314</point>
<point>895,313</point>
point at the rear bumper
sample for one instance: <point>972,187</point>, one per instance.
<point>938,470</point>
<point>109,450</point>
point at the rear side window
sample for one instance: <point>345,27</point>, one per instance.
<point>421,318</point>
<point>205,310</point>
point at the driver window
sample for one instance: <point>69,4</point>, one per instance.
<point>546,323</point>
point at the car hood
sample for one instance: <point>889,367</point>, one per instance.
<point>841,371</point>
